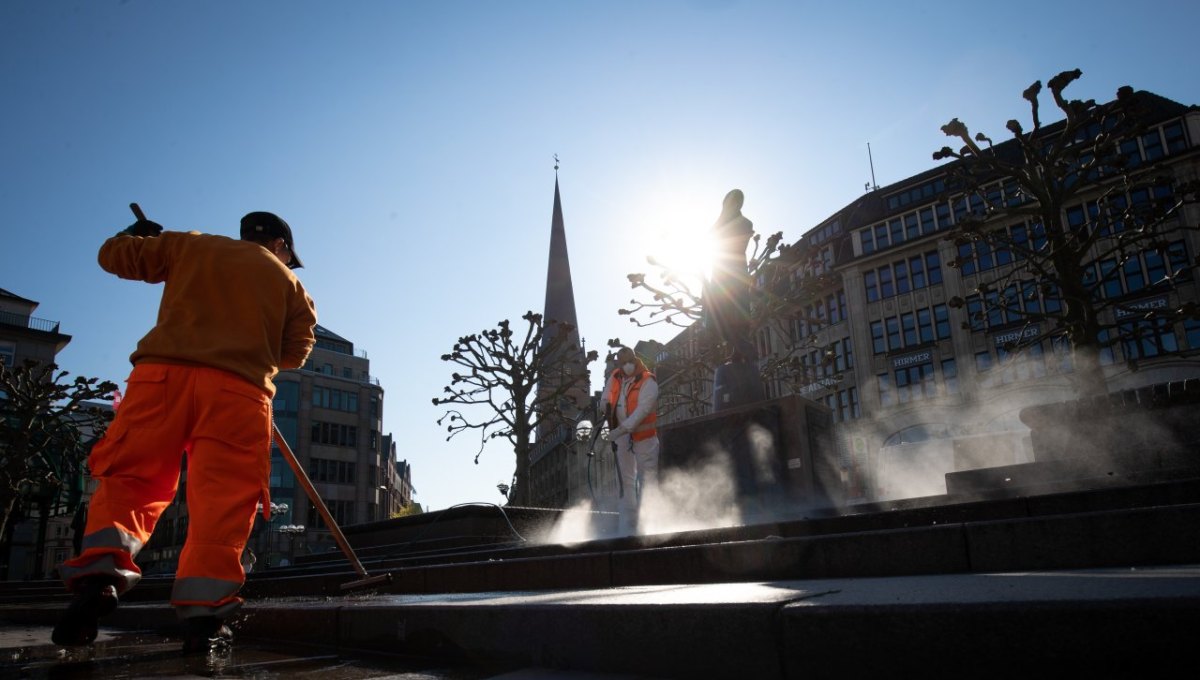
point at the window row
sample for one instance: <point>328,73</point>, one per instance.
<point>338,400</point>
<point>334,434</point>
<point>332,471</point>
<point>328,369</point>
<point>837,358</point>
<point>844,404</point>
<point>1019,302</point>
<point>1152,145</point>
<point>1142,338</point>
<point>917,381</point>
<point>999,366</point>
<point>897,230</point>
<point>1149,269</point>
<point>1012,244</point>
<point>827,312</point>
<point>1143,204</point>
<point>918,194</point>
<point>910,329</point>
<point>902,276</point>
<point>823,364</point>
<point>342,511</point>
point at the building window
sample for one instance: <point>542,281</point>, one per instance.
<point>843,355</point>
<point>908,325</point>
<point>334,434</point>
<point>845,405</point>
<point>1191,332</point>
<point>331,471</point>
<point>910,329</point>
<point>915,382</point>
<point>902,276</point>
<point>8,353</point>
<point>1176,141</point>
<point>1145,338</point>
<point>338,400</point>
<point>950,376</point>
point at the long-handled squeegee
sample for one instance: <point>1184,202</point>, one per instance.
<point>365,580</point>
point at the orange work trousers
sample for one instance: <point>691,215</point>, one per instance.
<point>223,424</point>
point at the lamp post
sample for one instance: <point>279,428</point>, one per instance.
<point>383,509</point>
<point>292,531</point>
<point>277,510</point>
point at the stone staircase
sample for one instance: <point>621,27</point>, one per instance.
<point>989,583</point>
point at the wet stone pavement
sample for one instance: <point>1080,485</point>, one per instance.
<point>26,652</point>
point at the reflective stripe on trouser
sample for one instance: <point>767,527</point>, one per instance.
<point>635,459</point>
<point>223,424</point>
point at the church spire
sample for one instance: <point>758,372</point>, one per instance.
<point>560,294</point>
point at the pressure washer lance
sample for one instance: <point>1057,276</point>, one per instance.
<point>365,580</point>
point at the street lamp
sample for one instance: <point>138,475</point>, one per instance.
<point>583,430</point>
<point>292,531</point>
<point>276,510</point>
<point>503,489</point>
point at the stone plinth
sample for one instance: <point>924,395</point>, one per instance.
<point>779,453</point>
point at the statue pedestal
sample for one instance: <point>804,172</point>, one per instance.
<point>771,458</point>
<point>736,384</point>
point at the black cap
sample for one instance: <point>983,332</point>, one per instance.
<point>258,224</point>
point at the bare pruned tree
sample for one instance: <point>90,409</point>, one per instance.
<point>1049,223</point>
<point>508,384</point>
<point>46,429</point>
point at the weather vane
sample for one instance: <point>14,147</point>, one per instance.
<point>555,162</point>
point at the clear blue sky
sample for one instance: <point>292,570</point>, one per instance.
<point>410,146</point>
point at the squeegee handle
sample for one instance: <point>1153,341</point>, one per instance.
<point>330,523</point>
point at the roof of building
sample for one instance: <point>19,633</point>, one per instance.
<point>873,207</point>
<point>323,332</point>
<point>13,296</point>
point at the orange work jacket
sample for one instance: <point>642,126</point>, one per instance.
<point>645,429</point>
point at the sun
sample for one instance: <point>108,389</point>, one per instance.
<point>680,240</point>
<point>686,253</point>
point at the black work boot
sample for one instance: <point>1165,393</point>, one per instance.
<point>95,596</point>
<point>202,634</point>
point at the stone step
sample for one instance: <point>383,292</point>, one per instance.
<point>1120,622</point>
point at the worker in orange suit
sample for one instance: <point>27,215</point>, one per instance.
<point>232,315</point>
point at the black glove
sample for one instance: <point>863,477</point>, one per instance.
<point>143,228</point>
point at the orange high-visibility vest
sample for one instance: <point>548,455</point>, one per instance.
<point>645,429</point>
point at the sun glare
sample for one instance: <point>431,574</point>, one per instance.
<point>680,240</point>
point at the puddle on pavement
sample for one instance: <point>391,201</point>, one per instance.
<point>149,655</point>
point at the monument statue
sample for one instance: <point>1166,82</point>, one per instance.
<point>726,307</point>
<point>727,292</point>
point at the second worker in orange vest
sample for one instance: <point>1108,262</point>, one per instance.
<point>632,403</point>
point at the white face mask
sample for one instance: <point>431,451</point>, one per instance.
<point>629,367</point>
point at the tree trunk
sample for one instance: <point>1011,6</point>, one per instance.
<point>7,504</point>
<point>522,477</point>
<point>1082,322</point>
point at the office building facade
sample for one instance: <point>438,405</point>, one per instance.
<point>923,377</point>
